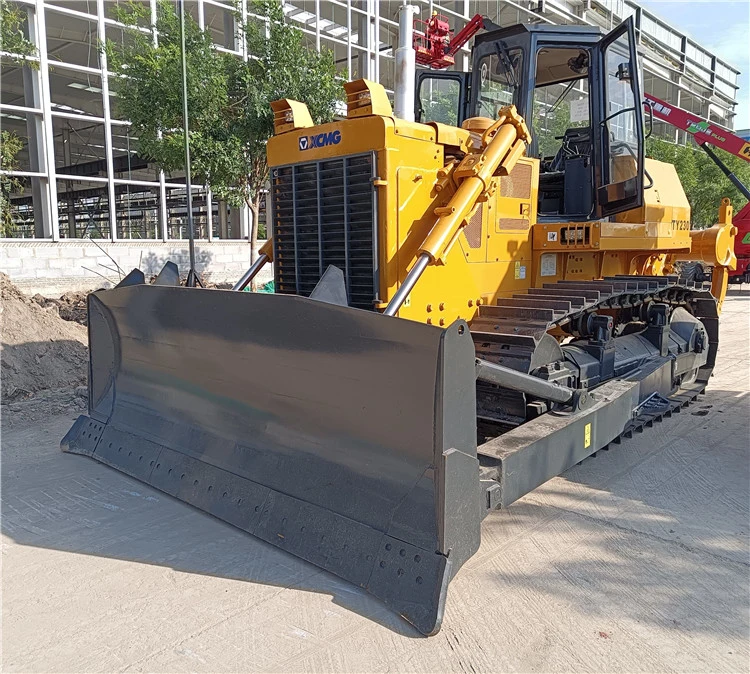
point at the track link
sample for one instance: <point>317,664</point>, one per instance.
<point>651,414</point>
<point>566,304</point>
<point>512,331</point>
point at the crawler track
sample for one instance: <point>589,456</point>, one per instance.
<point>513,331</point>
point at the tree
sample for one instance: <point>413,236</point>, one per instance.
<point>12,36</point>
<point>229,98</point>
<point>10,146</point>
<point>704,183</point>
<point>13,41</point>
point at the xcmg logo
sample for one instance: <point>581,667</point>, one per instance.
<point>320,140</point>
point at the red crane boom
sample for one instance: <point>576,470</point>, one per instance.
<point>708,135</point>
<point>436,45</point>
<point>704,131</point>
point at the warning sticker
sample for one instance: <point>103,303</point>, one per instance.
<point>587,436</point>
<point>548,266</point>
<point>551,236</point>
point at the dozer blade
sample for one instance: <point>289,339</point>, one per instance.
<point>344,437</point>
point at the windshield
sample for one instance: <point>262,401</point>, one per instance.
<point>499,74</point>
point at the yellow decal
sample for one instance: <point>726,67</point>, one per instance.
<point>587,436</point>
<point>517,271</point>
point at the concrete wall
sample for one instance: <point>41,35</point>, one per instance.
<point>53,268</point>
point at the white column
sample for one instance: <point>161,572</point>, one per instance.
<point>32,92</point>
<point>317,25</point>
<point>350,30</point>
<point>246,220</point>
<point>163,226</point>
<point>405,64</point>
<point>376,41</point>
<point>209,214</point>
<point>51,229</point>
<point>463,62</point>
<point>243,37</point>
<point>102,37</point>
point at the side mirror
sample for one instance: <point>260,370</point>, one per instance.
<point>623,72</point>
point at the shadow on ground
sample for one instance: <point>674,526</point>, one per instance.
<point>655,529</point>
<point>75,504</point>
<point>670,498</point>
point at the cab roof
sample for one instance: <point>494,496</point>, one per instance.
<point>540,29</point>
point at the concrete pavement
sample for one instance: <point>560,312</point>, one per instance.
<point>636,560</point>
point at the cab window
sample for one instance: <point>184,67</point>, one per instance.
<point>620,113</point>
<point>499,75</point>
<point>561,99</point>
<point>440,100</point>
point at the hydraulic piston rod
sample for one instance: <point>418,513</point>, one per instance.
<point>502,145</point>
<point>411,278</point>
<point>265,254</point>
<point>519,381</point>
<point>250,274</point>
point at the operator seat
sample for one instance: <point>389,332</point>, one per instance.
<point>565,184</point>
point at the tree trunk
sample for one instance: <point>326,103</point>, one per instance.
<point>255,211</point>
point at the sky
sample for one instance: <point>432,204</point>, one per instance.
<point>722,27</point>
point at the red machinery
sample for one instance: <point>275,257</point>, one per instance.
<point>708,135</point>
<point>703,131</point>
<point>435,44</point>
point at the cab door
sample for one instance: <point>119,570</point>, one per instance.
<point>441,97</point>
<point>617,122</point>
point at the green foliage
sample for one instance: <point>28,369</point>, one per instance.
<point>149,93</point>
<point>704,183</point>
<point>440,105</point>
<point>548,125</point>
<point>12,36</point>
<point>230,117</point>
<point>10,146</point>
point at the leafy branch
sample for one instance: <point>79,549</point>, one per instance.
<point>229,98</point>
<point>10,146</point>
<point>13,38</point>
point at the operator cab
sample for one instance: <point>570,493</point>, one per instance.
<point>580,96</point>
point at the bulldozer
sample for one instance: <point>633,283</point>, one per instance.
<point>461,312</point>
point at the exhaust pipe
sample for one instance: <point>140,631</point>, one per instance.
<point>405,64</point>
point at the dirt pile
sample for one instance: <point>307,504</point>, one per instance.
<point>40,350</point>
<point>71,306</point>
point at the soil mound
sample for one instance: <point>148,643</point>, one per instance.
<point>40,350</point>
<point>71,306</point>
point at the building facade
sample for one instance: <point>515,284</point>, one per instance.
<point>79,173</point>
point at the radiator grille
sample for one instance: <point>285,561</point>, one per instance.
<point>473,228</point>
<point>518,183</point>
<point>512,223</point>
<point>323,214</point>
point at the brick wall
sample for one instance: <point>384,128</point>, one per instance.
<point>53,268</point>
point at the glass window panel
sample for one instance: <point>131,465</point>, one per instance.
<point>83,210</point>
<point>620,113</point>
<point>75,92</point>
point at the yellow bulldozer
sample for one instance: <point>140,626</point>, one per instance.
<point>462,311</point>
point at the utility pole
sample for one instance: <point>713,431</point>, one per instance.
<point>192,278</point>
